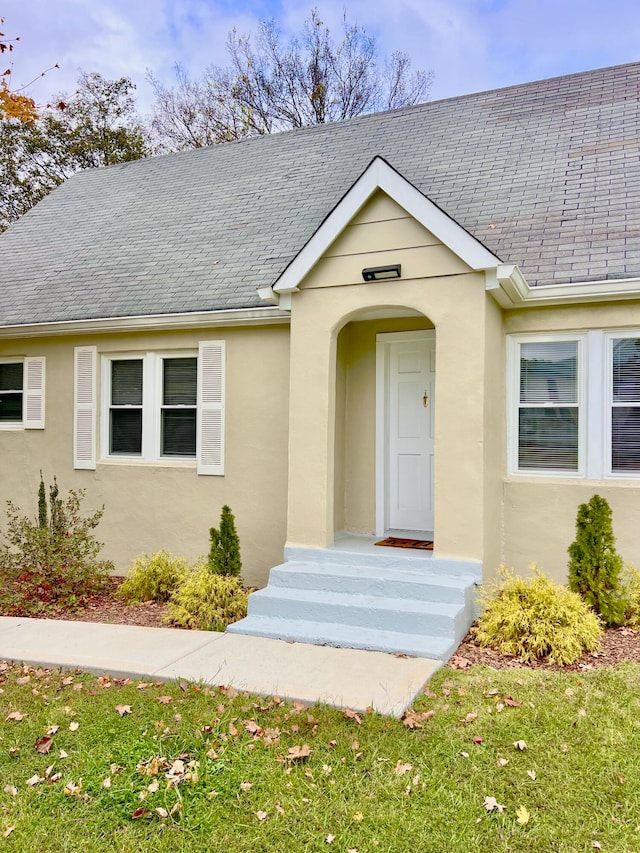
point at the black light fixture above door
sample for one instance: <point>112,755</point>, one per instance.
<point>381,273</point>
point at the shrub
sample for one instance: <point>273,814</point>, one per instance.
<point>52,561</point>
<point>595,565</point>
<point>224,554</point>
<point>207,601</point>
<point>154,578</point>
<point>631,594</point>
<point>536,618</point>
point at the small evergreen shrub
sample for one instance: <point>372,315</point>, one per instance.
<point>154,578</point>
<point>595,565</point>
<point>536,618</point>
<point>224,553</point>
<point>207,601</point>
<point>631,595</point>
<point>52,561</point>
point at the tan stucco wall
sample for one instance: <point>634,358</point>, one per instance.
<point>149,506</point>
<point>540,512</point>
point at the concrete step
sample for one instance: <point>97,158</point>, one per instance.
<point>347,636</point>
<point>403,615</point>
<point>385,557</point>
<point>407,582</point>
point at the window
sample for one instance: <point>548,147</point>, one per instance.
<point>22,382</point>
<point>152,406</point>
<point>625,405</point>
<point>547,408</point>
<point>11,390</point>
<point>155,407</point>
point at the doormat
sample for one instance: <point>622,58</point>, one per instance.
<point>395,542</point>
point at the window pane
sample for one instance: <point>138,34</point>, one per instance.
<point>126,383</point>
<point>178,432</point>
<point>548,439</point>
<point>126,431</point>
<point>625,438</point>
<point>10,407</point>
<point>549,372</point>
<point>626,370</point>
<point>180,381</point>
<point>11,377</point>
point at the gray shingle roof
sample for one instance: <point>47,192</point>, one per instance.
<point>553,165</point>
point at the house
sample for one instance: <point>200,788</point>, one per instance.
<point>423,322</point>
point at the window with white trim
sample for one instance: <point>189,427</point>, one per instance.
<point>11,392</point>
<point>152,405</point>
<point>22,386</point>
<point>624,406</point>
<point>155,407</point>
<point>547,405</point>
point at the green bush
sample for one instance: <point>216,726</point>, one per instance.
<point>536,618</point>
<point>154,578</point>
<point>52,561</point>
<point>631,594</point>
<point>595,565</point>
<point>224,554</point>
<point>207,601</point>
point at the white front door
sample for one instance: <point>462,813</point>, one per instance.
<point>410,388</point>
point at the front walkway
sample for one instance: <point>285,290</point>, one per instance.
<point>347,678</point>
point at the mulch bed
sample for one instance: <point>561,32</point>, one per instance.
<point>618,644</point>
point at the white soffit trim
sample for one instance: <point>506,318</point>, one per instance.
<point>380,175</point>
<point>510,289</point>
<point>151,322</point>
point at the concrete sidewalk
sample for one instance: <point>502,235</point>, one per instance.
<point>348,678</point>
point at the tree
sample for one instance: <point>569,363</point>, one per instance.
<point>96,126</point>
<point>224,554</point>
<point>595,565</point>
<point>270,86</point>
<point>13,104</point>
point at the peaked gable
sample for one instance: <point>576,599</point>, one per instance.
<point>379,175</point>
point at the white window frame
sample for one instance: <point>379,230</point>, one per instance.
<point>608,405</point>
<point>152,371</point>
<point>33,392</point>
<point>514,343</point>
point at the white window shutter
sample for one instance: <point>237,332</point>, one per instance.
<point>211,393</point>
<point>84,409</point>
<point>34,385</point>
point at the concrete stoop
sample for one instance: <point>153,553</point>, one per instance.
<point>400,602</point>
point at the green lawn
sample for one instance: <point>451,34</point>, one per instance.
<point>191,769</point>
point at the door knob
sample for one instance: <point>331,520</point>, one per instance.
<point>425,399</point>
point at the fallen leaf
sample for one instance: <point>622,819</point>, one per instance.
<point>352,715</point>
<point>471,716</point>
<point>153,787</point>
<point>520,745</point>
<point>329,839</point>
<point>17,716</point>
<point>531,774</point>
<point>402,768</point>
<point>140,812</point>
<point>71,789</point>
<point>63,754</point>
<point>43,745</point>
<point>11,789</point>
<point>52,730</point>
<point>164,700</point>
<point>492,805</point>
<point>512,703</point>
<point>73,727</point>
<point>358,817</point>
<point>596,845</point>
<point>477,739</point>
<point>459,662</point>
<point>522,815</point>
<point>8,831</point>
<point>123,710</point>
<point>34,780</point>
<point>502,762</point>
<point>162,812</point>
<point>298,753</point>
<point>262,815</point>
<point>106,783</point>
<point>464,754</point>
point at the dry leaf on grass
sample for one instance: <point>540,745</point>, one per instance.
<point>522,815</point>
<point>298,753</point>
<point>43,745</point>
<point>123,710</point>
<point>16,715</point>
<point>492,805</point>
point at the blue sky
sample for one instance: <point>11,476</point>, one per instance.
<point>470,45</point>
